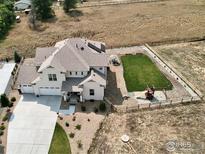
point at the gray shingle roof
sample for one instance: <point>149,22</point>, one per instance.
<point>42,54</point>
<point>74,55</point>
<point>27,72</point>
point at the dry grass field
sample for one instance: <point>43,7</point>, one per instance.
<point>149,131</point>
<point>117,25</point>
<point>187,58</point>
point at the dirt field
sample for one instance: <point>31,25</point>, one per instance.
<point>117,25</point>
<point>149,131</point>
<point>187,58</point>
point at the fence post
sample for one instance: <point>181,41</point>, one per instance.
<point>171,102</point>
<point>182,100</point>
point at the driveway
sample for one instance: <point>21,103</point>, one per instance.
<point>32,125</point>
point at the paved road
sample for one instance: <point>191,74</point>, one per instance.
<point>32,125</point>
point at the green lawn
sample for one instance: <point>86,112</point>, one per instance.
<point>60,143</point>
<point>140,72</point>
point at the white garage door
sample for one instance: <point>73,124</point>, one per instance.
<point>50,91</point>
<point>27,89</point>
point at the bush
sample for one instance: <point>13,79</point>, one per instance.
<point>66,124</point>
<point>74,118</point>
<point>4,100</point>
<point>78,127</point>
<point>80,145</point>
<point>69,4</point>
<point>17,57</point>
<point>83,108</point>
<point>1,132</point>
<point>102,107</point>
<point>11,104</point>
<point>13,99</point>
<point>6,117</point>
<point>72,135</point>
<point>96,110</point>
<point>2,127</point>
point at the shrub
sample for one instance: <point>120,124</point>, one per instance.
<point>13,99</point>
<point>6,117</point>
<point>96,110</point>
<point>102,107</point>
<point>69,4</point>
<point>72,135</point>
<point>74,118</point>
<point>80,145</point>
<point>11,105</point>
<point>78,127</point>
<point>2,127</point>
<point>1,132</point>
<point>83,108</point>
<point>17,57</point>
<point>66,124</point>
<point>4,100</point>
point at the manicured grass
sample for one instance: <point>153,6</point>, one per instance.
<point>140,72</point>
<point>60,143</point>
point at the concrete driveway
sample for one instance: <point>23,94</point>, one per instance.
<point>32,125</point>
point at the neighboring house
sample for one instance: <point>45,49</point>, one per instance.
<point>22,5</point>
<point>73,66</point>
<point>6,77</point>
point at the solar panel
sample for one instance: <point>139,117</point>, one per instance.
<point>94,47</point>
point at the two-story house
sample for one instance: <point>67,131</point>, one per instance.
<point>73,66</point>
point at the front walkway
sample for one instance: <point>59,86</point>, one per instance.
<point>32,124</point>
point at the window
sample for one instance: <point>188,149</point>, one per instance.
<point>76,73</point>
<point>92,92</point>
<point>70,73</point>
<point>52,77</point>
<point>81,73</point>
<point>100,68</point>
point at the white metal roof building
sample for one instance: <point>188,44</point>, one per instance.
<point>5,76</point>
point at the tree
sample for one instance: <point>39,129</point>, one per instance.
<point>7,16</point>
<point>43,9</point>
<point>69,4</point>
<point>4,100</point>
<point>17,57</point>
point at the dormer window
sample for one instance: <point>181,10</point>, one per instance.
<point>52,77</point>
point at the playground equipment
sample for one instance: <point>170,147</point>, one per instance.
<point>149,94</point>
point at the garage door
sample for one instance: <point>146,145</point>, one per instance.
<point>49,91</point>
<point>27,89</point>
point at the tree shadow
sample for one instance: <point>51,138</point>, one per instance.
<point>75,13</point>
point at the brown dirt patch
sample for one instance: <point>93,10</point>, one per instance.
<point>149,131</point>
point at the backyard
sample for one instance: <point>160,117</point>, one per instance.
<point>116,25</point>
<point>60,143</point>
<point>140,73</point>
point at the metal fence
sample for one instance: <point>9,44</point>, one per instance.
<point>155,105</point>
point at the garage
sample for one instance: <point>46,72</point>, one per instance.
<point>26,89</point>
<point>49,91</point>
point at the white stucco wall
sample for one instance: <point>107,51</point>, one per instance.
<point>78,75</point>
<point>98,90</point>
<point>52,85</point>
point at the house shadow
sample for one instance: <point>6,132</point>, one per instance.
<point>112,93</point>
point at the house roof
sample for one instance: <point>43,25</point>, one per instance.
<point>73,55</point>
<point>73,82</point>
<point>94,76</point>
<point>42,54</point>
<point>27,72</point>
